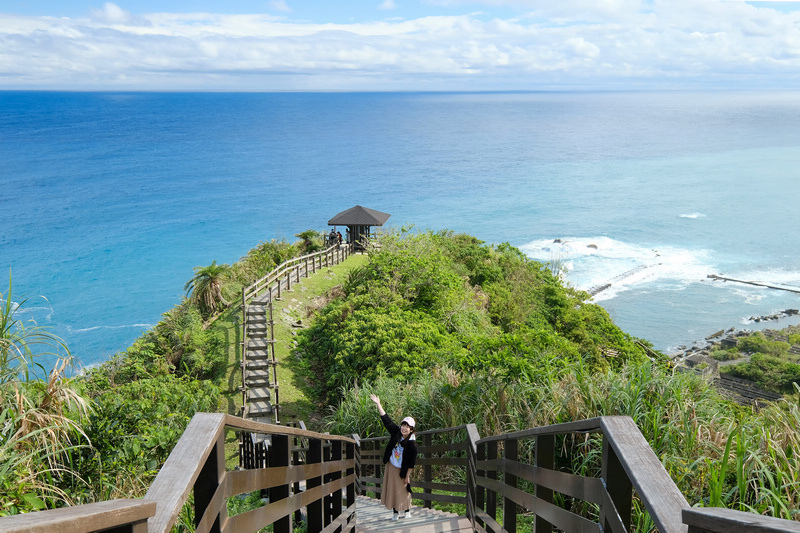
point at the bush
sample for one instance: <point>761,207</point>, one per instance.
<point>758,343</point>
<point>768,372</point>
<point>132,432</point>
<point>413,307</point>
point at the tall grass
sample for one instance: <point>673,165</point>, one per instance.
<point>38,410</point>
<point>718,453</point>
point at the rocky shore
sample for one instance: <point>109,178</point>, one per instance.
<point>727,337</point>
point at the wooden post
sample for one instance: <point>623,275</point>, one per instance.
<point>314,509</point>
<point>427,471</point>
<point>336,455</point>
<point>326,500</point>
<point>510,480</point>
<point>350,455</point>
<point>207,482</point>
<point>618,485</point>
<point>472,483</point>
<point>544,458</point>
<point>279,455</point>
<point>480,492</point>
<point>491,495</point>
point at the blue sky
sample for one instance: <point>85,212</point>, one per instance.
<point>276,45</point>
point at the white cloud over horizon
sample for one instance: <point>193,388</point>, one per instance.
<point>541,45</point>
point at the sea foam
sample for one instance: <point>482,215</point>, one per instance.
<point>606,267</point>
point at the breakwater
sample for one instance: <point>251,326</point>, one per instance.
<point>756,283</point>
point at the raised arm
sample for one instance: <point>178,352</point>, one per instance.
<point>377,401</point>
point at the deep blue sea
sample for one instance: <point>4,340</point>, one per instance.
<point>110,199</point>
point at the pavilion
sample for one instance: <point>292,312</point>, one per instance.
<point>359,220</point>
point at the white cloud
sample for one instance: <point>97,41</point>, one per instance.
<point>280,5</point>
<point>112,14</point>
<point>388,4</point>
<point>595,43</point>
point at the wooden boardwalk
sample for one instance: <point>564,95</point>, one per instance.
<point>372,516</point>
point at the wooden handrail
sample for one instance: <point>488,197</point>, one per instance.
<point>661,497</point>
<point>279,271</point>
<point>717,520</point>
<point>627,463</point>
<point>125,515</point>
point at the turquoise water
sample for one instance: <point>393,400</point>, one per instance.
<point>110,199</point>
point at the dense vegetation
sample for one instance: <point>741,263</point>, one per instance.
<point>454,332</point>
<point>104,434</point>
<point>440,325</point>
<point>770,364</point>
<point>438,299</point>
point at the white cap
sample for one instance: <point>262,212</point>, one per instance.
<point>408,420</point>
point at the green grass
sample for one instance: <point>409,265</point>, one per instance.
<point>295,305</point>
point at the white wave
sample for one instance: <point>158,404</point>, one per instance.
<point>692,215</point>
<point>94,328</point>
<point>592,262</point>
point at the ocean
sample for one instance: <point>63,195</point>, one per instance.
<point>110,199</point>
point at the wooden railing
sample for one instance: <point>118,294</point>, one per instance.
<point>525,474</point>
<point>273,284</point>
<point>303,265</point>
<point>197,466</point>
<point>495,480</point>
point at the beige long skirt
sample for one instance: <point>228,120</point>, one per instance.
<point>394,494</point>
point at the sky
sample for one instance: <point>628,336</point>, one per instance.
<point>399,45</point>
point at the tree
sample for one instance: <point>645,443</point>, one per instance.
<point>312,240</point>
<point>205,289</point>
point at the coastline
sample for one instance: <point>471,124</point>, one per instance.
<point>705,346</point>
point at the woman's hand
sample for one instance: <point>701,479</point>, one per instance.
<point>377,401</point>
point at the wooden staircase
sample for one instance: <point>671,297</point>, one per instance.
<point>372,517</point>
<point>260,400</point>
<point>260,375</point>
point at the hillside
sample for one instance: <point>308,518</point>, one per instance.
<point>441,326</point>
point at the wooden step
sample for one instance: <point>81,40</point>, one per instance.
<point>254,344</point>
<point>258,364</point>
<point>258,394</point>
<point>259,408</point>
<point>372,516</point>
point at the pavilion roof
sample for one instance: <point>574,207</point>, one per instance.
<point>359,216</point>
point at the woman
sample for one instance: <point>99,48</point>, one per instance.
<point>400,456</point>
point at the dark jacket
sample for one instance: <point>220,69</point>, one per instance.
<point>409,446</point>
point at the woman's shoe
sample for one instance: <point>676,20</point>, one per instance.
<point>407,514</point>
<point>395,516</point>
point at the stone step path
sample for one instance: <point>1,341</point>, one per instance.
<point>372,517</point>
